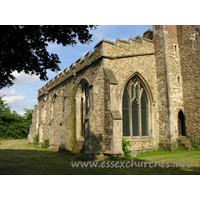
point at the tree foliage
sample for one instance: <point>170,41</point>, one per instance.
<point>12,125</point>
<point>23,48</point>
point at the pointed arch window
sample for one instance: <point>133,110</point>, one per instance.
<point>181,123</point>
<point>82,108</point>
<point>135,109</point>
<point>126,122</point>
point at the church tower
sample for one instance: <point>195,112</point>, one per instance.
<point>189,52</point>
<point>169,83</point>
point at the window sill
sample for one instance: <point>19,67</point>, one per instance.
<point>80,138</point>
<point>138,138</point>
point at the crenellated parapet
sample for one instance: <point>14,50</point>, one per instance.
<point>124,48</point>
<point>105,49</point>
<point>81,63</point>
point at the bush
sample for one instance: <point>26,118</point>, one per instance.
<point>13,125</point>
<point>125,144</point>
<point>46,144</point>
<point>195,144</point>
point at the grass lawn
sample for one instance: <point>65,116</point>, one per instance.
<point>17,157</point>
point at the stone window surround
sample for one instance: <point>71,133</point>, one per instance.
<point>151,103</point>
<point>79,96</point>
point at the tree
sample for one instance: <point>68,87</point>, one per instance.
<point>13,125</point>
<point>28,116</point>
<point>4,108</point>
<point>23,48</point>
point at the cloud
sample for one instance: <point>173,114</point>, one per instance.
<point>13,99</point>
<point>8,93</point>
<point>22,78</point>
<point>21,113</point>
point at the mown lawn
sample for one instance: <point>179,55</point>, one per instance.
<point>19,158</point>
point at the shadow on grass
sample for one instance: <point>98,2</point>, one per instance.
<point>36,162</point>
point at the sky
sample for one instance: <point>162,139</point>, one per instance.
<point>24,92</point>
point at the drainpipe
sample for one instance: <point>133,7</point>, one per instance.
<point>74,111</point>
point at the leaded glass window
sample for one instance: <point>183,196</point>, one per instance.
<point>144,114</point>
<point>135,118</point>
<point>126,106</point>
<point>135,109</point>
<point>132,91</point>
<point>137,92</point>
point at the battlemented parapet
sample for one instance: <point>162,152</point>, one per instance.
<point>105,48</point>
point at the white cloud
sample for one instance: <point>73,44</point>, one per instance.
<point>8,93</point>
<point>13,99</point>
<point>22,78</point>
<point>21,113</point>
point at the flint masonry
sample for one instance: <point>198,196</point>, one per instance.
<point>145,90</point>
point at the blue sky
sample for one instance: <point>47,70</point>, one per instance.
<point>24,92</point>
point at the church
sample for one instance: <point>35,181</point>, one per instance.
<point>145,90</point>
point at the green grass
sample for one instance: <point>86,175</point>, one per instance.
<point>18,157</point>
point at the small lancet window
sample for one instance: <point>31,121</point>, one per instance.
<point>175,48</point>
<point>178,79</point>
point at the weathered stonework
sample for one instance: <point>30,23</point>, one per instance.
<point>83,107</point>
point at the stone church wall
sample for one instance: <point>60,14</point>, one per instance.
<point>168,68</point>
<point>189,42</point>
<point>125,62</point>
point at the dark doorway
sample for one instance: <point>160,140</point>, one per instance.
<point>181,123</point>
